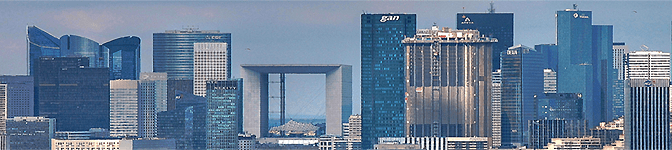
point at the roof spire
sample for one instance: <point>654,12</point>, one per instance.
<point>492,7</point>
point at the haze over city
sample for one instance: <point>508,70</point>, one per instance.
<point>303,32</point>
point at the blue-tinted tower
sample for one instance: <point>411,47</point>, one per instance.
<point>522,83</point>
<point>77,96</point>
<point>550,52</point>
<point>77,46</point>
<point>224,119</point>
<point>40,43</point>
<point>494,25</point>
<point>186,123</point>
<point>124,58</point>
<point>174,54</point>
<point>585,62</point>
<point>382,58</point>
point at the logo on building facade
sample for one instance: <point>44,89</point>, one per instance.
<point>213,37</point>
<point>389,18</point>
<point>576,15</point>
<point>648,83</point>
<point>466,20</point>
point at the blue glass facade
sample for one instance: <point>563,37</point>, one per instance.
<point>77,46</point>
<point>494,25</point>
<point>647,115</point>
<point>40,43</point>
<point>585,62</point>
<point>522,82</point>
<point>77,96</point>
<point>186,123</point>
<point>124,58</point>
<point>224,119</point>
<point>550,52</point>
<point>382,58</point>
<point>565,106</point>
<point>174,51</point>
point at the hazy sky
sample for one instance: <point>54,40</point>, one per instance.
<point>300,32</point>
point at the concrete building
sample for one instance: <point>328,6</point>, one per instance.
<point>550,81</point>
<point>382,58</point>
<point>211,63</point>
<point>152,100</point>
<point>354,128</point>
<point>124,108</point>
<point>247,142</point>
<point>583,143</point>
<point>113,144</point>
<point>647,115</point>
<point>174,54</point>
<point>20,95</point>
<point>338,94</point>
<point>30,133</point>
<point>496,108</point>
<point>93,133</point>
<point>440,143</point>
<point>395,146</point>
<point>447,72</point>
<point>331,142</point>
<point>4,89</point>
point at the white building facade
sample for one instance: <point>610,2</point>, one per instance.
<point>153,99</point>
<point>123,108</point>
<point>210,63</point>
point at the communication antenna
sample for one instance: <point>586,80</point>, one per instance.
<point>492,7</point>
<point>575,5</point>
<point>644,48</point>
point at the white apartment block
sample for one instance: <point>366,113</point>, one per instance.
<point>210,61</point>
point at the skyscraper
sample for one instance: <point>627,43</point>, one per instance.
<point>382,58</point>
<point>522,82</point>
<point>493,25</point>
<point>550,52</point>
<point>619,50</point>
<point>3,116</point>
<point>448,74</point>
<point>496,108</point>
<point>78,46</point>
<point>78,97</point>
<point>20,96</point>
<point>153,99</point>
<point>225,113</point>
<point>210,64</point>
<point>30,133</point>
<point>174,54</point>
<point>647,115</point>
<point>186,123</point>
<point>585,62</point>
<point>124,58</point>
<point>40,43</point>
<point>124,108</point>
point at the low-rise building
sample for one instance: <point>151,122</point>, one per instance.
<point>440,143</point>
<point>583,143</point>
<point>30,133</point>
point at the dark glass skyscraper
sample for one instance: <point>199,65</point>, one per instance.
<point>522,82</point>
<point>78,97</point>
<point>550,52</point>
<point>174,54</point>
<point>382,58</point>
<point>186,123</point>
<point>225,113</point>
<point>585,62</point>
<point>77,46</point>
<point>20,95</point>
<point>495,25</point>
<point>124,58</point>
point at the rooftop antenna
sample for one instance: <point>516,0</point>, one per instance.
<point>575,5</point>
<point>492,7</point>
<point>462,8</point>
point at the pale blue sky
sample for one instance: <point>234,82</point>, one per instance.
<point>303,32</point>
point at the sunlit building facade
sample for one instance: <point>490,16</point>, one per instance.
<point>152,100</point>
<point>448,74</point>
<point>225,113</point>
<point>124,108</point>
<point>210,64</point>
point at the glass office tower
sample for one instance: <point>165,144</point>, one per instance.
<point>174,54</point>
<point>382,57</point>
<point>491,24</point>
<point>522,81</point>
<point>77,96</point>
<point>20,96</point>
<point>77,46</point>
<point>585,62</point>
<point>186,123</point>
<point>448,83</point>
<point>40,43</point>
<point>224,119</point>
<point>124,58</point>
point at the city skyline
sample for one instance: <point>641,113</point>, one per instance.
<point>301,32</point>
